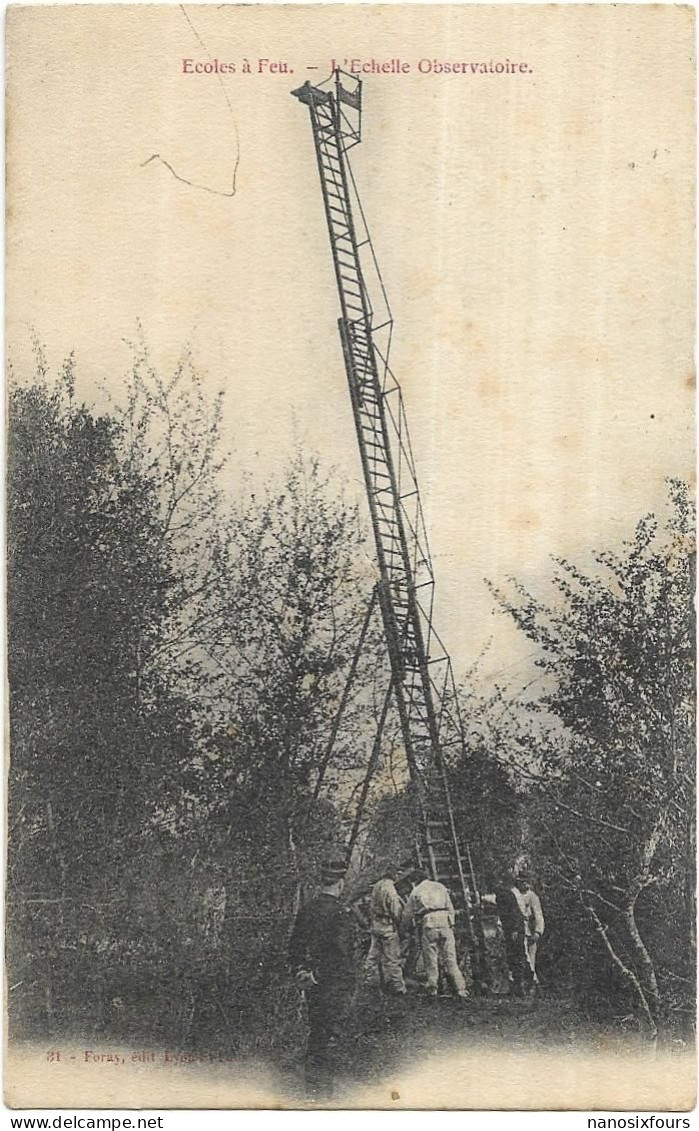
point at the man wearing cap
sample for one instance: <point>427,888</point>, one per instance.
<point>429,906</point>
<point>383,964</point>
<point>321,955</point>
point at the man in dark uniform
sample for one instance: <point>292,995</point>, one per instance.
<point>321,954</point>
<point>512,919</point>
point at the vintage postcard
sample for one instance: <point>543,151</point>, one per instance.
<point>350,534</point>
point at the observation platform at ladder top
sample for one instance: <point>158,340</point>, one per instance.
<point>343,93</point>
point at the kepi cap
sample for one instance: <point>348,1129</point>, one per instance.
<point>333,870</point>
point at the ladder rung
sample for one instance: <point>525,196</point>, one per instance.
<point>391,544</point>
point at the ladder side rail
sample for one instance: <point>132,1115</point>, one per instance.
<point>317,128</point>
<point>467,879</point>
<point>387,611</point>
<point>398,510</point>
<point>347,343</point>
<point>414,613</point>
<point>413,609</point>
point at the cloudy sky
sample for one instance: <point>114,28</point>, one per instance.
<point>534,232</point>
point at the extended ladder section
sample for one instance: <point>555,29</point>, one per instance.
<point>423,682</point>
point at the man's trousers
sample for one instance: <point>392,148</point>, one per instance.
<point>383,963</point>
<point>329,1015</point>
<point>439,946</point>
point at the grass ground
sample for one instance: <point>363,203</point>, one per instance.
<point>494,1052</point>
<point>391,1031</point>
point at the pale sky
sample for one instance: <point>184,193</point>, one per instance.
<point>534,233</point>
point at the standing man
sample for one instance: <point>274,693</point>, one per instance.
<point>533,921</point>
<point>321,956</point>
<point>510,907</point>
<point>430,907</point>
<point>383,964</point>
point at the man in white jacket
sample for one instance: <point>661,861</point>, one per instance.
<point>533,919</point>
<point>429,907</point>
<point>383,964</point>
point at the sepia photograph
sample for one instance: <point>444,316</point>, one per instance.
<point>350,542</point>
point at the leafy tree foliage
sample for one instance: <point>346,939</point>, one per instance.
<point>175,666</point>
<point>608,747</point>
<point>289,608</point>
<point>89,589</point>
<point>487,810</point>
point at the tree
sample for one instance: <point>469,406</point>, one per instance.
<point>608,747</point>
<point>107,564</point>
<point>169,433</point>
<point>487,810</point>
<point>289,602</point>
<point>290,598</point>
<point>88,588</point>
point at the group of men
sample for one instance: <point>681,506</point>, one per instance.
<point>322,951</point>
<point>427,915</point>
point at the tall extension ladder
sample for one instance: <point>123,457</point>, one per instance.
<point>422,678</point>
